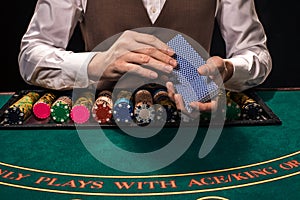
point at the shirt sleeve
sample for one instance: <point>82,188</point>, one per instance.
<point>245,41</point>
<point>43,58</point>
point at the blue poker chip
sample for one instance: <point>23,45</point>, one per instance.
<point>123,111</point>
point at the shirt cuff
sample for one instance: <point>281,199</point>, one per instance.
<point>241,74</point>
<point>76,66</point>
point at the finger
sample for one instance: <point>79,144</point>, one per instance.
<point>179,103</point>
<point>213,67</point>
<point>171,90</point>
<point>163,78</point>
<point>158,55</point>
<point>148,45</point>
<point>140,71</point>
<point>146,60</point>
<point>205,107</point>
<point>154,42</point>
<point>130,63</point>
<point>208,70</point>
<point>180,106</point>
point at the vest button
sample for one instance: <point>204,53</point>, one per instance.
<point>153,9</point>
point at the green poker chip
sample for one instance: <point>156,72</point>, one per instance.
<point>60,112</point>
<point>233,111</point>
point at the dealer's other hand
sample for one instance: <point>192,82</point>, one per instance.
<point>219,70</point>
<point>131,53</point>
<point>198,107</point>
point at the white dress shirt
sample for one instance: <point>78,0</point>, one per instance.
<point>43,46</point>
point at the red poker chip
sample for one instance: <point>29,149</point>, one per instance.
<point>41,110</point>
<point>102,113</point>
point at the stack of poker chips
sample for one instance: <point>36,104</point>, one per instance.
<point>144,111</point>
<point>166,108</point>
<point>123,107</point>
<point>60,109</point>
<point>102,108</point>
<point>205,116</point>
<point>233,111</point>
<point>80,112</point>
<point>18,112</point>
<point>250,109</point>
<point>42,108</point>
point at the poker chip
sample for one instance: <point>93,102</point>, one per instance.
<point>60,109</point>
<point>80,112</point>
<point>101,112</point>
<point>166,108</point>
<point>167,113</point>
<point>143,95</point>
<point>14,116</point>
<point>144,111</point>
<point>102,108</point>
<point>250,109</point>
<point>123,110</point>
<point>233,110</point>
<point>42,107</point>
<point>124,94</point>
<point>205,116</point>
<point>19,111</point>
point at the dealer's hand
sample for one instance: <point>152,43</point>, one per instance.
<point>197,106</point>
<point>130,53</point>
<point>219,70</point>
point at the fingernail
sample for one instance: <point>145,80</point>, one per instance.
<point>193,104</point>
<point>202,70</point>
<point>173,62</point>
<point>153,75</point>
<point>171,51</point>
<point>169,68</point>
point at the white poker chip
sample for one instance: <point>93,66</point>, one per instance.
<point>144,113</point>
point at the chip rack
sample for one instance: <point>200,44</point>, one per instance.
<point>32,122</point>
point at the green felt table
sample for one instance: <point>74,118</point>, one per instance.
<point>247,162</point>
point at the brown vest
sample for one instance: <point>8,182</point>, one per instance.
<point>105,18</point>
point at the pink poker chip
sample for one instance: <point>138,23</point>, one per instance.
<point>41,110</point>
<point>80,114</point>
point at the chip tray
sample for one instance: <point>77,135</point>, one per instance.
<point>268,118</point>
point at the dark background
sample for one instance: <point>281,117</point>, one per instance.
<point>279,19</point>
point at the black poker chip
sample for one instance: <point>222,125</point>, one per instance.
<point>252,111</point>
<point>14,116</point>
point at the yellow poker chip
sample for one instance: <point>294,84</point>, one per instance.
<point>18,112</point>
